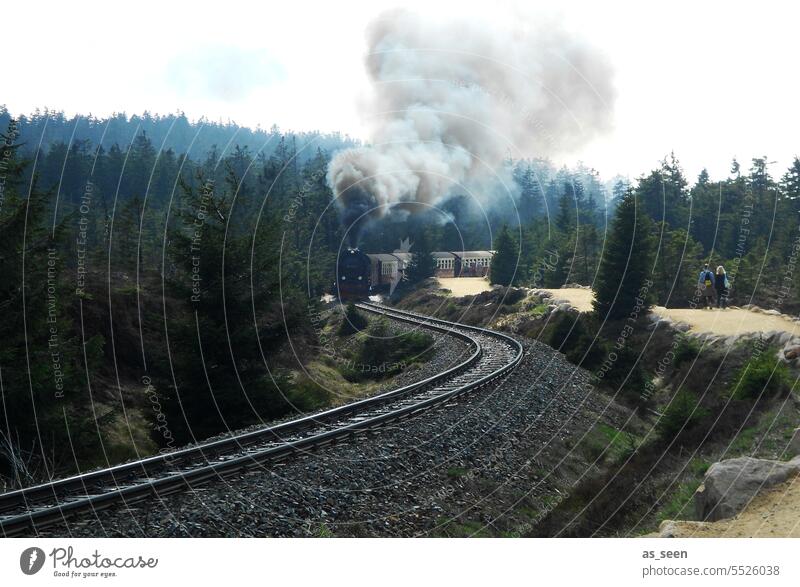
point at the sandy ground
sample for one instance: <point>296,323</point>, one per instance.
<point>772,514</point>
<point>729,322</point>
<point>464,286</point>
<point>575,297</point>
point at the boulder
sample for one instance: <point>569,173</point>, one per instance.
<point>794,443</point>
<point>791,353</point>
<point>729,485</point>
<point>668,529</point>
<point>678,529</point>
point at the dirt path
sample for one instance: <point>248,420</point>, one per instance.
<point>464,286</point>
<point>578,298</point>
<point>729,322</point>
<point>772,514</point>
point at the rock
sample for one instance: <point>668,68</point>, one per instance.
<point>678,529</point>
<point>668,529</point>
<point>729,485</point>
<point>794,443</point>
<point>792,353</point>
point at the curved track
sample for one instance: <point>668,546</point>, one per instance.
<point>492,356</point>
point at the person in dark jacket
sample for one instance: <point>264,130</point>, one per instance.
<point>722,285</point>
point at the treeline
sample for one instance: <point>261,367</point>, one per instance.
<point>749,223</point>
<point>148,295</point>
<point>42,130</point>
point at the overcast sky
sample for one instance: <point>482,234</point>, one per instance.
<point>710,81</point>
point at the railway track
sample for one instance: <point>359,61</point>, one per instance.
<point>491,355</point>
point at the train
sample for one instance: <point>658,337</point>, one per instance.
<point>353,276</point>
<point>359,275</point>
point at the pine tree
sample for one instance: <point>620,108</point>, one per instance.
<point>505,262</point>
<point>566,209</point>
<point>422,265</point>
<point>44,357</point>
<point>626,263</point>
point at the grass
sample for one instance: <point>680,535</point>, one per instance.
<point>463,529</point>
<point>457,472</point>
<point>538,310</point>
<point>769,436</point>
<point>323,531</point>
<point>128,290</point>
<point>381,354</point>
<point>744,442</point>
<point>323,385</point>
<point>680,501</point>
<point>612,444</point>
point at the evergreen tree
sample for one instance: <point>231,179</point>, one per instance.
<point>505,262</point>
<point>566,210</point>
<point>662,194</point>
<point>422,265</point>
<point>626,263</point>
<point>45,415</point>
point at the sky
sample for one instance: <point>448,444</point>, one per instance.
<point>709,81</point>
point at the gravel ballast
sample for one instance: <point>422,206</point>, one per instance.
<point>492,462</point>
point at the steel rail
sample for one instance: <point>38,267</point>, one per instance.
<point>38,506</point>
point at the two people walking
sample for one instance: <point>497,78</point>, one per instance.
<point>713,287</point>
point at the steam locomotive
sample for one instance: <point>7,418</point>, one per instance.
<point>353,272</point>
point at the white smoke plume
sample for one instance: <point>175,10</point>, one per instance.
<point>453,100</point>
